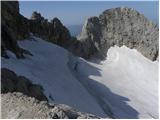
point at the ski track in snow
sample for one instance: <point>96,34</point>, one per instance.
<point>125,85</point>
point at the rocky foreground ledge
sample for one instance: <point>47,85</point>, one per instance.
<point>18,106</point>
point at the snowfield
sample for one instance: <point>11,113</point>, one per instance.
<point>125,85</point>
<point>126,81</point>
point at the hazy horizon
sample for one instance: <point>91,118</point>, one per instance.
<point>76,12</point>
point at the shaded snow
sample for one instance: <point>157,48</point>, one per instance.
<point>48,67</point>
<point>125,85</point>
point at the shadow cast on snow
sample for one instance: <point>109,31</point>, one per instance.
<point>114,105</point>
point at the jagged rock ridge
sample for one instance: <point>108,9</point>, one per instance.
<point>120,26</point>
<point>17,27</point>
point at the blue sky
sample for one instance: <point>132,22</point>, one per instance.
<point>76,12</point>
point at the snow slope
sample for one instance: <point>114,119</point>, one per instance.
<point>48,67</point>
<point>125,85</point>
<point>126,82</point>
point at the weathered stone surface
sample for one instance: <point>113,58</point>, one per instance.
<point>18,106</point>
<point>10,82</point>
<point>9,42</point>
<point>53,31</point>
<point>16,22</point>
<point>61,33</point>
<point>14,27</point>
<point>120,26</point>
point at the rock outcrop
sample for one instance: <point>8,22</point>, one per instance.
<point>18,106</point>
<point>9,42</point>
<point>53,31</point>
<point>12,19</point>
<point>120,26</point>
<point>16,27</point>
<point>10,82</point>
<point>36,16</point>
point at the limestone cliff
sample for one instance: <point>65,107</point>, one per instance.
<point>120,26</point>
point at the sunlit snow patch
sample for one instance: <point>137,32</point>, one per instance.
<point>126,81</point>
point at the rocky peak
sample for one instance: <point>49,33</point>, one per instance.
<point>12,6</point>
<point>60,32</point>
<point>120,26</point>
<point>36,16</point>
<point>56,22</point>
<point>53,31</point>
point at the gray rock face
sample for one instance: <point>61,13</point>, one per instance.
<point>61,34</point>
<point>18,106</point>
<point>9,42</point>
<point>13,20</point>
<point>120,26</point>
<point>12,23</point>
<point>10,82</point>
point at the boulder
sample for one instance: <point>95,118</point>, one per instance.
<point>10,82</point>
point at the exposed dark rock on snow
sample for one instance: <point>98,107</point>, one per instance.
<point>14,27</point>
<point>10,82</point>
<point>120,26</point>
<point>53,31</point>
<point>8,41</point>
<point>18,27</point>
<point>16,22</point>
<point>16,105</point>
